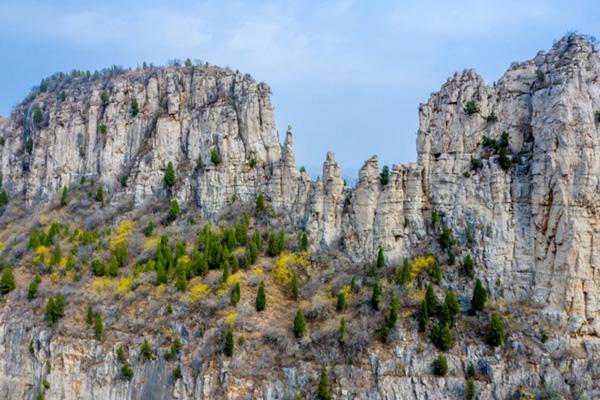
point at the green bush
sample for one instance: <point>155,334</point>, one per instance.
<point>175,347</point>
<point>3,198</point>
<point>98,268</point>
<point>38,116</point>
<point>295,287</point>
<point>452,305</point>
<point>380,258</point>
<point>177,373</point>
<point>492,117</point>
<point>64,196</point>
<point>495,336</point>
<point>235,294</point>
<point>303,242</point>
<point>147,349</point>
<point>43,86</point>
<point>127,371</point>
<point>89,316</point>
<point>431,300</point>
<point>55,308</point>
<point>276,243</point>
<point>121,355</point>
<point>260,203</point>
<point>423,316</point>
<point>215,157</point>
<point>384,176</point>
<point>261,297</point>
<point>597,116</point>
<point>173,211</point>
<point>446,239</point>
<point>7,280</point>
<point>100,195</point>
<point>471,108</point>
<point>104,99</point>
<point>504,159</point>
<point>470,389</point>
<point>436,272</point>
<point>403,277</point>
<point>299,324</point>
<point>135,108</point>
<point>440,366</point>
<point>479,297</point>
<point>390,319</point>
<point>539,75</point>
<point>324,391</point>
<point>476,163</point>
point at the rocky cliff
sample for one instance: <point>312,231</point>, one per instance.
<point>513,169</point>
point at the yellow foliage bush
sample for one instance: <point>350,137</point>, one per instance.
<point>124,285</point>
<point>55,277</point>
<point>347,290</point>
<point>151,243</point>
<point>121,236</point>
<point>159,291</point>
<point>286,264</point>
<point>42,255</point>
<point>258,271</point>
<point>183,261</point>
<point>231,280</point>
<point>197,292</point>
<point>420,264</point>
<point>231,317</point>
<point>104,284</point>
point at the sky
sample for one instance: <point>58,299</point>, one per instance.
<point>347,75</point>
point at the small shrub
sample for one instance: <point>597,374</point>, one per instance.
<point>260,204</point>
<point>295,287</point>
<point>504,159</point>
<point>89,317</point>
<point>539,75</point>
<point>431,300</point>
<point>127,371</point>
<point>98,325</point>
<point>435,218</point>
<point>252,163</point>
<point>597,114</point>
<point>147,349</point>
<point>423,316</point>
<point>3,198</point>
<point>100,195</point>
<point>446,239</point>
<point>104,99</point>
<point>342,329</point>
<point>467,174</point>
<point>470,389</point>
<point>403,277</point>
<point>177,373</point>
<point>471,108</point>
<point>303,242</point>
<point>436,272</point>
<point>476,163</point>
<point>376,297</point>
<point>492,117</point>
<point>149,229</point>
<point>215,157</point>
<point>440,366</point>
<point>38,116</point>
<point>469,266</point>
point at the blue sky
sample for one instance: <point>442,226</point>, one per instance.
<point>347,75</point>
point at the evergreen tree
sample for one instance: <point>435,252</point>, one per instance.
<point>181,279</point>
<point>161,273</point>
<point>380,258</point>
<point>295,287</point>
<point>38,117</point>
<point>235,294</point>
<point>127,371</point>
<point>173,211</point>
<point>261,298</point>
<point>452,305</point>
<point>404,276</point>
<point>215,157</point>
<point>7,280</point>
<point>226,272</point>
<point>376,297</point>
<point>342,329</point>
<point>64,196</point>
<point>423,316</point>
<point>440,366</point>
<point>147,349</point>
<point>100,195</point>
<point>98,325</point>
<point>299,324</point>
<point>32,291</point>
<point>495,336</point>
<point>446,239</point>
<point>176,373</point>
<point>431,299</point>
<point>55,308</point>
<point>384,176</point>
<point>135,108</point>
<point>89,317</point>
<point>303,242</point>
<point>341,301</point>
<point>324,392</point>
<point>113,268</point>
<point>441,336</point>
<point>390,319</point>
<point>479,297</point>
<point>3,198</point>
<point>436,272</point>
<point>469,266</point>
<point>229,343</point>
<point>470,389</point>
<point>149,229</point>
<point>170,175</point>
<point>260,204</point>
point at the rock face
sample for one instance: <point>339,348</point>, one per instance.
<point>533,225</point>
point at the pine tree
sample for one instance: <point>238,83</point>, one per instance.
<point>324,392</point>
<point>149,229</point>
<point>169,177</point>
<point>423,316</point>
<point>113,268</point>
<point>226,272</point>
<point>341,301</point>
<point>229,342</point>
<point>469,266</point>
<point>100,195</point>
<point>295,287</point>
<point>303,242</point>
<point>384,176</point>
<point>98,325</point>
<point>380,258</point>
<point>299,324</point>
<point>452,305</point>
<point>260,204</point>
<point>32,291</point>
<point>215,157</point>
<point>89,317</point>
<point>7,280</point>
<point>161,273</point>
<point>64,196</point>
<point>495,336</point>
<point>479,297</point>
<point>173,211</point>
<point>440,366</point>
<point>470,389</point>
<point>446,239</point>
<point>181,278</point>
<point>390,319</point>
<point>342,329</point>
<point>261,298</point>
<point>431,299</point>
<point>436,273</point>
<point>376,298</point>
<point>404,276</point>
<point>55,308</point>
<point>441,336</point>
<point>147,349</point>
<point>235,294</point>
<point>135,108</point>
